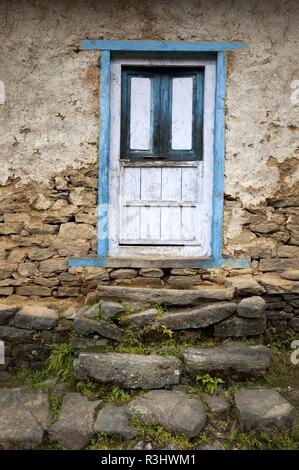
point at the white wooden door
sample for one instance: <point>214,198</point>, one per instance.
<point>160,184</point>
<point>161,204</point>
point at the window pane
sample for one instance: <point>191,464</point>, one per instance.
<point>140,117</point>
<point>181,119</point>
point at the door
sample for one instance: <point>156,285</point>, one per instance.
<point>160,161</point>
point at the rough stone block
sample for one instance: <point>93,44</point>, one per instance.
<point>109,310</point>
<point>7,313</point>
<point>184,282</point>
<point>229,361</point>
<point>277,285</point>
<point>140,319</point>
<point>11,228</point>
<point>263,409</point>
<point>238,327</point>
<point>175,410</point>
<point>53,265</point>
<point>87,326</point>
<point>217,405</point>
<point>129,370</point>
<point>114,421</point>
<point>294,323</point>
<point>74,427</point>
<point>278,264</point>
<point>151,272</point>
<point>36,317</point>
<point>288,251</point>
<point>197,317</point>
<point>166,296</point>
<point>251,307</point>
<point>245,285</point>
<point>34,290</point>
<point>73,231</point>
<point>24,417</point>
<point>123,273</point>
<point>266,227</point>
<point>292,274</point>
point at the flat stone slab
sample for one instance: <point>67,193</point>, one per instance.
<point>217,404</point>
<point>263,409</point>
<point>294,323</point>
<point>114,421</point>
<point>175,410</point>
<point>200,317</point>
<point>36,317</point>
<point>21,335</point>
<point>24,417</point>
<point>109,309</point>
<point>87,326</point>
<point>129,370</point>
<point>165,296</point>
<point>7,312</point>
<point>233,360</point>
<point>292,274</point>
<point>140,319</point>
<point>278,264</point>
<point>75,425</point>
<point>245,285</point>
<point>278,285</point>
<point>251,307</point>
<point>240,327</point>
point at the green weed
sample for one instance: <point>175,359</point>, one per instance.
<point>55,405</point>
<point>208,383</point>
<point>60,361</point>
<point>274,440</point>
<point>159,435</point>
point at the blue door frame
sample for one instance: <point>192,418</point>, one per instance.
<point>106,46</point>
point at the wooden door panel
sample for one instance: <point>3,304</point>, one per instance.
<point>171,184</point>
<point>161,205</point>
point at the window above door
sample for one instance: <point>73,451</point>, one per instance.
<point>162,113</point>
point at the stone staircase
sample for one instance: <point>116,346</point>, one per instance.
<point>156,340</point>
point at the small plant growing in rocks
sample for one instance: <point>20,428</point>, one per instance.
<point>208,383</point>
<point>166,331</point>
<point>55,404</point>
<point>118,395</point>
<point>60,361</point>
<point>161,309</point>
<point>157,434</point>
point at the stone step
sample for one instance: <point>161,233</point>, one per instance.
<point>176,411</point>
<point>129,370</point>
<point>277,285</point>
<point>75,426</point>
<point>154,371</point>
<point>166,296</point>
<point>200,317</point>
<point>263,410</point>
<point>235,360</point>
<point>24,417</point>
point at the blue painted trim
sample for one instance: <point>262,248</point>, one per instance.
<point>105,261</point>
<point>219,156</point>
<point>160,46</point>
<point>104,150</point>
<point>104,143</point>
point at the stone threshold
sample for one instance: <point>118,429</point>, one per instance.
<point>158,262</point>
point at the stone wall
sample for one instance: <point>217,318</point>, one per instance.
<point>49,134</point>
